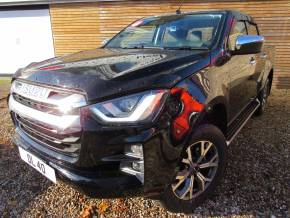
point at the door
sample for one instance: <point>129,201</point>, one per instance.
<point>241,72</point>
<point>25,37</point>
<point>260,59</point>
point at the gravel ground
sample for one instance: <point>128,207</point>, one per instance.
<point>257,181</point>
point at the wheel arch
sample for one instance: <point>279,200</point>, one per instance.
<point>217,114</point>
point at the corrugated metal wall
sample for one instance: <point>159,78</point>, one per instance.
<point>84,26</point>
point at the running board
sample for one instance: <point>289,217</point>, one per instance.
<point>236,126</point>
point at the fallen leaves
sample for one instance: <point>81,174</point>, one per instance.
<point>103,207</point>
<point>90,210</point>
<point>87,212</point>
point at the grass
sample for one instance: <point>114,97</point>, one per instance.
<point>6,127</point>
<point>5,80</point>
<point>4,86</point>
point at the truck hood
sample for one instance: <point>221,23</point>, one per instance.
<point>102,73</point>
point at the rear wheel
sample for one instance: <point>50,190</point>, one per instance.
<point>201,167</point>
<point>263,98</point>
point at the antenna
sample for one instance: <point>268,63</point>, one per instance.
<point>178,11</point>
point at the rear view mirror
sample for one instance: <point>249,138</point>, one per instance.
<point>248,44</point>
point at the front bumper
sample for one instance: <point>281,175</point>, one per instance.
<point>90,183</point>
<point>96,168</point>
<point>92,156</point>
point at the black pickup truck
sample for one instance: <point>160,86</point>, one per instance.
<point>154,109</point>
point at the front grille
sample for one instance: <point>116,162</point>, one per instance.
<point>49,116</point>
<point>48,136</point>
<point>44,107</point>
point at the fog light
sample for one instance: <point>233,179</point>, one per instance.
<point>134,165</point>
<point>134,151</point>
<point>138,166</point>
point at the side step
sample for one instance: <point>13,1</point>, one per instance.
<point>236,126</point>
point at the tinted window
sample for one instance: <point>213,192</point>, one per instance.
<point>134,36</point>
<point>252,29</point>
<point>196,37</point>
<point>238,29</point>
<point>195,30</point>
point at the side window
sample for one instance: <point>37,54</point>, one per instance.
<point>196,36</point>
<point>252,29</point>
<point>239,28</point>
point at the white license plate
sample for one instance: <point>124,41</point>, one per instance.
<point>38,164</point>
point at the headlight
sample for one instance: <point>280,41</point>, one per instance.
<point>134,108</point>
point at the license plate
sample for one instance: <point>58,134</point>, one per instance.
<point>38,164</point>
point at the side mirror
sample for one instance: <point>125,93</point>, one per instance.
<point>248,44</point>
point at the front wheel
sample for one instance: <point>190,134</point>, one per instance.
<point>201,167</point>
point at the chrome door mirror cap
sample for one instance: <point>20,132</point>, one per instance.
<point>248,44</point>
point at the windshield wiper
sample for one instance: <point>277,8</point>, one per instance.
<point>133,47</point>
<point>186,48</point>
<point>141,46</point>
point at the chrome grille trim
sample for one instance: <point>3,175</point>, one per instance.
<point>58,139</point>
<point>23,140</point>
<point>60,123</point>
<point>34,124</point>
<point>49,96</point>
<point>40,113</point>
<point>46,137</point>
<point>44,107</point>
<point>67,149</point>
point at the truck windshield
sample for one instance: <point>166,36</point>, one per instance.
<point>187,31</point>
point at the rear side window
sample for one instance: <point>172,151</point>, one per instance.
<point>252,29</point>
<point>239,28</point>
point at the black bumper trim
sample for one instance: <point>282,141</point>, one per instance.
<point>91,184</point>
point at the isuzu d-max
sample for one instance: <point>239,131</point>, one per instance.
<point>155,108</point>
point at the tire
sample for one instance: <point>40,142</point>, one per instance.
<point>211,134</point>
<point>263,98</point>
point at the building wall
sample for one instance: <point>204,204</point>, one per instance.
<point>84,26</point>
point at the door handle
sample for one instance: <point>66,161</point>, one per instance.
<point>253,61</point>
<point>264,55</point>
